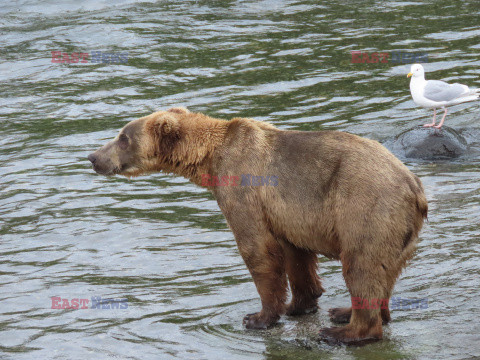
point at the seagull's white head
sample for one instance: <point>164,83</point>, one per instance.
<point>416,70</point>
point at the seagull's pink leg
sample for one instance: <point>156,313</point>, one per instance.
<point>433,121</point>
<point>443,120</point>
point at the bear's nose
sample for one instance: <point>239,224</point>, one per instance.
<point>92,158</point>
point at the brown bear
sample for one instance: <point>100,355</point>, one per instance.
<point>326,192</point>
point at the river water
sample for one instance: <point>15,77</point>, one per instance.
<point>162,243</point>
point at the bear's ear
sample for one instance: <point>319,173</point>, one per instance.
<point>168,130</point>
<point>179,110</point>
<point>169,126</point>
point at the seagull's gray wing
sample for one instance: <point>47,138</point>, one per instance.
<point>437,90</point>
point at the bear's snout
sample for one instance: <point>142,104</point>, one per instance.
<point>92,158</point>
<point>100,164</point>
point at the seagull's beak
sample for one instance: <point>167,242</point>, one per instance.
<point>409,74</point>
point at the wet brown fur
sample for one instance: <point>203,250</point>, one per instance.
<point>338,195</point>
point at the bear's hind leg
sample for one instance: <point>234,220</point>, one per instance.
<point>301,266</point>
<point>367,283</point>
<point>342,315</point>
<point>392,276</point>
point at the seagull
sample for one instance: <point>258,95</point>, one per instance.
<point>435,93</point>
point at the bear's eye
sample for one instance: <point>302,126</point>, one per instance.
<point>123,141</point>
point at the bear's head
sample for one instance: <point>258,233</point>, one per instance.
<point>144,145</point>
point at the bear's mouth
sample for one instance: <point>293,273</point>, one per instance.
<point>105,171</point>
<point>123,168</point>
<point>129,171</point>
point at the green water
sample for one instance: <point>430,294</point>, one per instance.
<point>161,242</point>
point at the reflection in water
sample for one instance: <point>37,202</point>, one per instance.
<point>162,242</point>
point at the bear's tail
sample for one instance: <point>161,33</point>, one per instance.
<point>410,239</point>
<point>422,205</point>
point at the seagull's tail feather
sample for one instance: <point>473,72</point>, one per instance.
<point>470,95</point>
<point>473,92</point>
<point>476,94</point>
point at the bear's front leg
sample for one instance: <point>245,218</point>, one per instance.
<point>261,251</point>
<point>301,269</point>
<point>265,260</point>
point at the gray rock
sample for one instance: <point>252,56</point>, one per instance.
<point>429,143</point>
